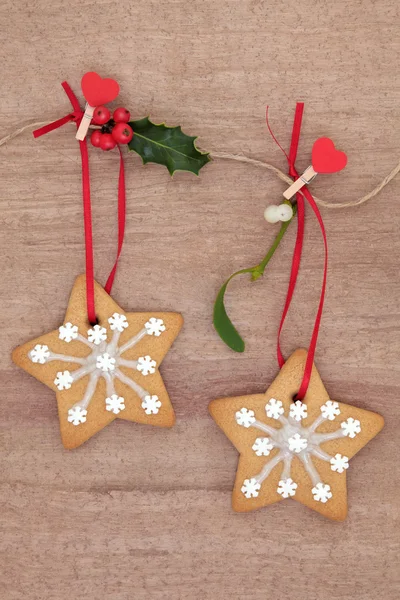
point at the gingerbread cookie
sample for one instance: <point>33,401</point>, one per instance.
<point>298,450</point>
<point>105,371</point>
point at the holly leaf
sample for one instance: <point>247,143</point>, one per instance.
<point>167,146</point>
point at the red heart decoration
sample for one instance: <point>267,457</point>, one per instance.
<point>98,91</point>
<point>325,158</point>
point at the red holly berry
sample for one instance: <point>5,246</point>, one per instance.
<point>101,115</point>
<point>95,138</point>
<point>107,141</point>
<point>122,133</point>
<point>121,115</point>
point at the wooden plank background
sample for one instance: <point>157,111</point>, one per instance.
<point>139,513</point>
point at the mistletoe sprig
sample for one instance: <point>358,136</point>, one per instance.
<point>222,323</point>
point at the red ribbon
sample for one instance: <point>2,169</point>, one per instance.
<point>76,116</point>
<point>300,196</point>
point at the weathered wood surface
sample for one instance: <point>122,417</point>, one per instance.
<point>143,513</point>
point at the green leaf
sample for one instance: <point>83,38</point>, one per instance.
<point>167,146</point>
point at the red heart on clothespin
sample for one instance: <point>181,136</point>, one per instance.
<point>98,91</point>
<point>325,158</point>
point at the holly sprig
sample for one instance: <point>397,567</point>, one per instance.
<point>222,323</point>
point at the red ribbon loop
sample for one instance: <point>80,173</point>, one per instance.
<point>297,253</point>
<point>76,117</point>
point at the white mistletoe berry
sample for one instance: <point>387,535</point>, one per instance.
<point>298,410</point>
<point>274,409</point>
<point>297,443</point>
<point>39,354</point>
<point>330,410</point>
<point>245,417</point>
<point>321,492</point>
<point>115,404</point>
<point>77,415</point>
<point>118,322</point>
<point>68,332</point>
<point>97,335</point>
<point>151,405</point>
<point>146,365</point>
<point>154,326</point>
<point>63,380</point>
<point>262,446</point>
<point>339,463</point>
<point>250,488</point>
<point>351,427</point>
<point>105,362</point>
<point>287,487</point>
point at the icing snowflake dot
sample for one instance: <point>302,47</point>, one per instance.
<point>330,410</point>
<point>151,405</point>
<point>97,335</point>
<point>68,332</point>
<point>262,446</point>
<point>105,362</point>
<point>322,492</point>
<point>339,463</point>
<point>245,417</point>
<point>250,488</point>
<point>351,427</point>
<point>63,380</point>
<point>298,410</point>
<point>39,354</point>
<point>77,415</point>
<point>297,443</point>
<point>146,365</point>
<point>118,322</point>
<point>287,487</point>
<point>115,404</point>
<point>274,409</point>
<point>155,326</point>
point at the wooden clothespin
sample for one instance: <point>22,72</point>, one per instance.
<point>97,91</point>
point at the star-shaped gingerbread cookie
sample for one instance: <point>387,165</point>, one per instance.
<point>105,371</point>
<point>288,449</point>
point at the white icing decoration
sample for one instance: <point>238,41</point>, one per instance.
<point>292,439</point>
<point>298,410</point>
<point>245,417</point>
<point>151,405</point>
<point>146,365</point>
<point>103,361</point>
<point>322,492</point>
<point>339,463</point>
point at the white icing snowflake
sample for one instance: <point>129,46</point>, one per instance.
<point>274,409</point>
<point>245,417</point>
<point>39,354</point>
<point>155,326</point>
<point>351,427</point>
<point>151,405</point>
<point>322,492</point>
<point>118,322</point>
<point>97,335</point>
<point>115,404</point>
<point>339,463</point>
<point>297,443</point>
<point>68,332</point>
<point>63,380</point>
<point>103,361</point>
<point>292,439</point>
<point>262,446</point>
<point>298,410</point>
<point>330,410</point>
<point>77,415</point>
<point>146,365</point>
<point>287,487</point>
<point>250,488</point>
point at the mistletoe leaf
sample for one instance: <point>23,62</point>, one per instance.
<point>167,146</point>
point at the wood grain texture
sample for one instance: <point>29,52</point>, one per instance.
<point>142,513</point>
